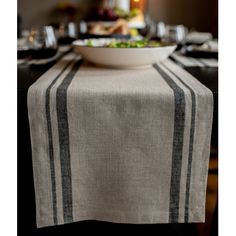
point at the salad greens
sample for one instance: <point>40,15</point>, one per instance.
<point>90,43</point>
<point>128,44</point>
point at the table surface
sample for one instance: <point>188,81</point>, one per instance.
<point>27,75</point>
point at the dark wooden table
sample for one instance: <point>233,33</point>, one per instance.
<point>26,200</point>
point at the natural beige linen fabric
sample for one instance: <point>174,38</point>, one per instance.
<point>111,151</point>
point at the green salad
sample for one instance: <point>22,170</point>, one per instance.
<point>128,44</point>
<point>134,44</point>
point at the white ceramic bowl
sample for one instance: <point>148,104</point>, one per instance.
<point>121,57</point>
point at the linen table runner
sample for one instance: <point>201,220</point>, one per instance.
<point>125,146</point>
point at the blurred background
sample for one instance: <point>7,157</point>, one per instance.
<point>48,24</point>
<point>200,15</point>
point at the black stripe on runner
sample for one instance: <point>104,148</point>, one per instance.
<point>178,137</point>
<point>63,131</point>
<point>191,141</point>
<point>50,142</point>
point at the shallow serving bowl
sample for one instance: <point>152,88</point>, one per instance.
<point>122,57</point>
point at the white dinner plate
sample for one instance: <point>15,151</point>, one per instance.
<point>121,57</point>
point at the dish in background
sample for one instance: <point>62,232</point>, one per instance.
<point>118,29</point>
<point>206,50</point>
<point>96,36</point>
<point>198,38</point>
